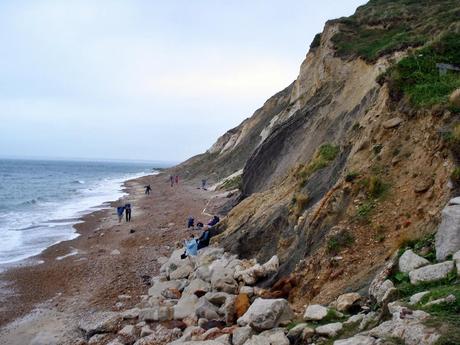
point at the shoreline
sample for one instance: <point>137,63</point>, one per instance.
<point>111,259</point>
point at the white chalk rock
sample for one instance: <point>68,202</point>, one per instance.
<point>410,261</point>
<point>431,273</point>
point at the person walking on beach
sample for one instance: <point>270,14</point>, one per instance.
<point>120,210</point>
<point>128,212</point>
<point>171,179</point>
<point>177,179</point>
<point>147,189</point>
<point>203,184</point>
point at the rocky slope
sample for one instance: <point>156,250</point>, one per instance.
<point>353,159</point>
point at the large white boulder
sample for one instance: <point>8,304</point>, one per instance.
<point>265,314</point>
<point>380,285</point>
<point>431,273</point>
<point>156,313</point>
<point>241,334</point>
<point>250,275</point>
<point>448,235</point>
<point>410,261</point>
<point>196,285</point>
<point>271,337</point>
<point>185,307</point>
<point>181,272</point>
<point>315,312</point>
<point>160,286</point>
<point>416,298</point>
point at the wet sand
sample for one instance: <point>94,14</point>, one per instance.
<point>42,303</point>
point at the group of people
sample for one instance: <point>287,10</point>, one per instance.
<point>173,179</point>
<point>192,245</point>
<point>124,209</point>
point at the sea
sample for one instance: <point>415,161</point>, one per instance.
<point>42,200</point>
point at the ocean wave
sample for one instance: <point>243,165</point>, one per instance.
<point>78,182</point>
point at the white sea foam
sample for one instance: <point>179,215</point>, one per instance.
<point>30,232</point>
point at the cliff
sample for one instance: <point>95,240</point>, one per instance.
<point>351,160</point>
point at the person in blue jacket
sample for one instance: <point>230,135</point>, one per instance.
<point>120,210</point>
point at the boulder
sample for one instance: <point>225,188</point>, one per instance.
<point>185,307</point>
<point>410,261</point>
<point>250,275</point>
<point>248,290</point>
<point>431,273</point>
<point>380,284</point>
<point>130,314</point>
<point>296,331</point>
<point>382,292</point>
<point>196,285</point>
<point>329,330</point>
<point>128,334</point>
<point>115,341</point>
<point>448,235</point>
<point>222,280</point>
<point>272,337</point>
<point>217,298</point>
<point>394,122</point>
<point>348,300</point>
<point>354,319</point>
<point>456,258</point>
<point>145,331</point>
<point>157,313</point>
<point>265,314</point>
<point>171,293</point>
<point>100,322</point>
<point>357,340</point>
<point>94,340</point>
<point>315,312</point>
<point>416,298</point>
<point>241,334</point>
<point>159,286</point>
<point>242,304</point>
<point>205,309</point>
<point>408,326</point>
<point>228,310</point>
<point>181,272</point>
<point>368,320</point>
<point>161,335</point>
<point>174,262</point>
<point>208,255</point>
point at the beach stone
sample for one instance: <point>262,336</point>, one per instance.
<point>156,314</point>
<point>394,122</point>
<point>98,339</point>
<point>448,234</point>
<point>296,331</point>
<point>383,291</point>
<point>222,280</point>
<point>171,293</point>
<point>329,330</point>
<point>346,301</point>
<point>115,252</point>
<point>115,341</point>
<point>100,322</point>
<point>410,261</point>
<point>160,286</point>
<point>209,254</point>
<point>380,284</point>
<point>145,331</point>
<point>228,310</point>
<point>416,298</point>
<point>128,334</point>
<point>205,309</point>
<point>217,298</point>
<point>241,334</point>
<point>130,314</point>
<point>431,273</point>
<point>203,273</point>
<point>315,312</point>
<point>357,340</point>
<point>181,272</point>
<point>161,335</point>
<point>196,285</point>
<point>242,304</point>
<point>265,314</point>
<point>185,307</point>
<point>354,319</point>
<point>368,320</point>
<point>248,290</point>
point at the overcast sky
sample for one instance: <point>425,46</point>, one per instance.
<point>153,80</point>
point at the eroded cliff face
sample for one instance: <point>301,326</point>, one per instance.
<point>336,173</point>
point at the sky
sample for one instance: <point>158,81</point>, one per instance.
<point>144,80</point>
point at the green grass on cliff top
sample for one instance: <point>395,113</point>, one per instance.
<point>384,26</point>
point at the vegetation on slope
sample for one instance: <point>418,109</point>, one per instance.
<point>417,76</point>
<point>384,26</point>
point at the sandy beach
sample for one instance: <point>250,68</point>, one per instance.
<point>42,303</point>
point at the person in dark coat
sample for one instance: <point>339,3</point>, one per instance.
<point>128,212</point>
<point>203,241</point>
